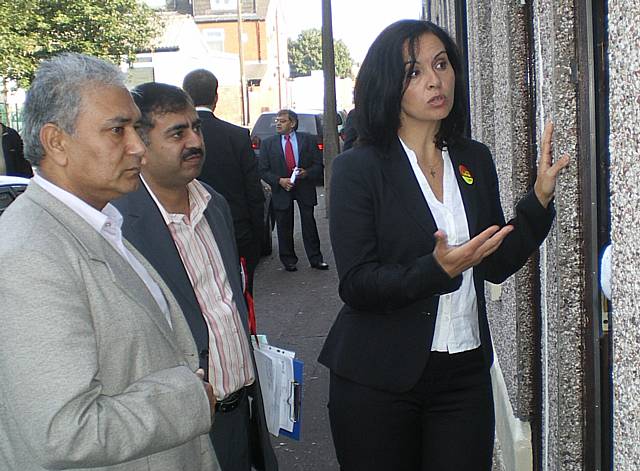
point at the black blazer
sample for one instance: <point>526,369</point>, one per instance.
<point>231,168</point>
<point>382,237</point>
<point>145,228</point>
<point>13,153</point>
<point>273,166</point>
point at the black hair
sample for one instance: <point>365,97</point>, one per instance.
<point>293,116</point>
<point>157,98</point>
<point>382,81</point>
<point>202,87</point>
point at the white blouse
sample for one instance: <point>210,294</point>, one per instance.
<point>456,327</point>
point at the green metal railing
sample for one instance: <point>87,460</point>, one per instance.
<point>14,120</point>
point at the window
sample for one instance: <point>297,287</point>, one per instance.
<point>214,38</point>
<point>223,5</point>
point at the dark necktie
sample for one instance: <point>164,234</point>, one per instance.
<point>288,154</point>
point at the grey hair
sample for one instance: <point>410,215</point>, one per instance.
<point>55,95</point>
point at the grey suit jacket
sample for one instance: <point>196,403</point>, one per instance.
<point>145,228</point>
<point>91,374</point>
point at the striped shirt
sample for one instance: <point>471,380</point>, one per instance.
<point>230,366</point>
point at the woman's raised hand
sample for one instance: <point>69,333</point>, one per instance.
<point>548,171</point>
<point>454,259</point>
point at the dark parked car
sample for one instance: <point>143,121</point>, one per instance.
<point>10,189</point>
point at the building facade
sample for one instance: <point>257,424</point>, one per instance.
<point>205,34</point>
<point>264,47</point>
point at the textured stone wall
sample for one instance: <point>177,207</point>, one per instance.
<point>561,262</point>
<point>500,108</point>
<point>498,49</point>
<point>443,13</point>
<point>624,57</point>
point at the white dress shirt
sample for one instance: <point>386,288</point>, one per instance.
<point>108,224</point>
<point>457,328</point>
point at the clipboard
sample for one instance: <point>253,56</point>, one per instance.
<point>295,401</point>
<point>281,376</point>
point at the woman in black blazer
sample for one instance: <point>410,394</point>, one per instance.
<point>416,228</point>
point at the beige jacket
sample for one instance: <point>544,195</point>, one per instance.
<point>91,374</point>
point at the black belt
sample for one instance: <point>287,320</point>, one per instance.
<point>230,402</point>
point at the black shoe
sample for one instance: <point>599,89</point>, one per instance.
<point>290,268</point>
<point>320,266</point>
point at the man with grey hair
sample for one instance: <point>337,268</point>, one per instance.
<point>97,363</point>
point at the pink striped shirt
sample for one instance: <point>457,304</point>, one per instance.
<point>230,366</point>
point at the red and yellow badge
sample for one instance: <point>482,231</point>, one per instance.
<point>466,174</point>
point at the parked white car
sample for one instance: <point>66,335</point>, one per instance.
<point>10,189</point>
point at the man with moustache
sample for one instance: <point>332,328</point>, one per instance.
<point>97,364</point>
<point>231,168</point>
<point>185,229</point>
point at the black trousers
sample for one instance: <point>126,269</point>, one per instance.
<point>231,440</point>
<point>445,423</point>
<point>284,226</point>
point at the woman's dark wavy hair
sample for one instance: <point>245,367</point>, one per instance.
<point>382,81</point>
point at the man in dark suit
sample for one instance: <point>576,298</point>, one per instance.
<point>12,160</point>
<point>292,164</point>
<point>184,228</point>
<point>349,132</point>
<point>230,168</point>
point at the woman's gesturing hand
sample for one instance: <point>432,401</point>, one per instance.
<point>458,258</point>
<point>547,170</point>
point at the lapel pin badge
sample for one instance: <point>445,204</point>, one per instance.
<point>466,174</point>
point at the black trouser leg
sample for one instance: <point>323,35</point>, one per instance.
<point>230,437</point>
<point>310,234</point>
<point>445,423</point>
<point>459,422</point>
<point>284,227</point>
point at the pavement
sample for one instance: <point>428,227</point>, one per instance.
<point>296,310</point>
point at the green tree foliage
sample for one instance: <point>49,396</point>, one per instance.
<point>305,54</point>
<point>31,30</point>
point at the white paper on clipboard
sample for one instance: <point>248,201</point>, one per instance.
<point>268,380</point>
<point>275,369</point>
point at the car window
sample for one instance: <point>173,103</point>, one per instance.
<point>8,194</point>
<point>266,124</point>
<point>307,123</point>
<point>6,198</point>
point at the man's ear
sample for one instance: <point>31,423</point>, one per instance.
<point>53,140</point>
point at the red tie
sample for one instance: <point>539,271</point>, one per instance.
<point>288,154</point>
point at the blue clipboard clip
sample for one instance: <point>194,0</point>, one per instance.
<point>295,401</point>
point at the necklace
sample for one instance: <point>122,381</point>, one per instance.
<point>432,172</point>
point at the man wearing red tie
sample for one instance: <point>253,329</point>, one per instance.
<point>292,164</point>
